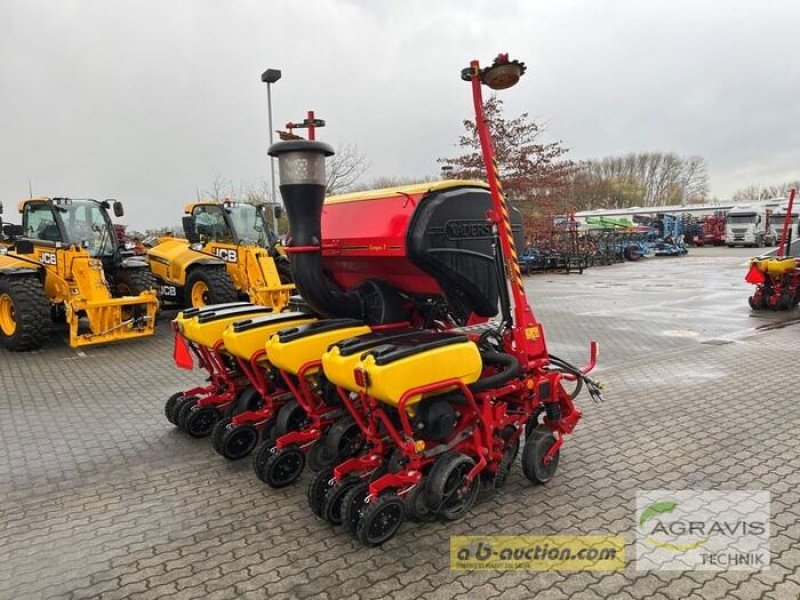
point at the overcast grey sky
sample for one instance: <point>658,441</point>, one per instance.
<point>147,101</point>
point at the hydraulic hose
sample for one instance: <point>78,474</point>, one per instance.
<point>510,370</point>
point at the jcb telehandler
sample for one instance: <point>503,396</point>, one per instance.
<point>229,253</point>
<point>65,262</point>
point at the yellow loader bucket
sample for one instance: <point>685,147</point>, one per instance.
<point>111,319</point>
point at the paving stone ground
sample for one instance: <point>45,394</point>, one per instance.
<point>101,498</point>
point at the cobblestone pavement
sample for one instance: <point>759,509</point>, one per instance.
<point>101,498</point>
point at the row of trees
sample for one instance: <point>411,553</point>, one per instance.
<point>760,192</point>
<point>537,175</point>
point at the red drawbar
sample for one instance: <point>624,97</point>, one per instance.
<point>755,275</point>
<point>181,354</point>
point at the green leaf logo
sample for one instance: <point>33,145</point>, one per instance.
<point>655,509</point>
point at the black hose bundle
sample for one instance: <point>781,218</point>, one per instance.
<point>593,386</point>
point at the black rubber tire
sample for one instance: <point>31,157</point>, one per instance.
<point>182,410</point>
<point>380,519</point>
<point>31,313</point>
<point>290,418</point>
<point>342,440</point>
<point>219,431</point>
<point>132,282</point>
<point>416,506</point>
<point>248,399</point>
<point>444,493</point>
<point>169,406</point>
<point>538,442</point>
<point>316,490</point>
<point>316,459</point>
<point>238,442</point>
<point>283,467</point>
<point>755,305</point>
<point>353,505</point>
<point>220,285</point>
<point>200,423</point>
<point>334,496</point>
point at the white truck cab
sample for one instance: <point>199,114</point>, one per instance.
<point>777,219</point>
<point>748,226</point>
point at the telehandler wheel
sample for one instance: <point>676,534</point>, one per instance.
<point>380,519</point>
<point>539,441</point>
<point>317,489</point>
<point>24,313</point>
<point>238,442</point>
<point>132,282</point>
<point>446,491</point>
<point>199,423</point>
<point>209,286</point>
<point>283,467</point>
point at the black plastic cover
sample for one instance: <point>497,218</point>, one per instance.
<point>268,320</point>
<point>410,345</point>
<point>216,315</point>
<point>309,329</point>
<point>450,238</point>
<point>357,344</point>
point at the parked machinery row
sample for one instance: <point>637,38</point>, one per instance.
<point>66,262</point>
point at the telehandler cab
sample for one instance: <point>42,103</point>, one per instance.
<point>65,261</point>
<point>229,253</point>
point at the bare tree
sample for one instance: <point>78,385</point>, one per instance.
<point>219,188</point>
<point>345,168</point>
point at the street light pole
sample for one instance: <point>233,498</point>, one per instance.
<point>269,77</point>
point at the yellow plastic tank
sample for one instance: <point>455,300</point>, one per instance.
<point>205,326</point>
<point>246,337</point>
<point>341,359</point>
<point>775,266</point>
<point>430,357</point>
<point>292,348</point>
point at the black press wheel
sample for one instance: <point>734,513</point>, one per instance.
<point>183,409</point>
<point>170,405</point>
<point>317,489</point>
<point>380,519</point>
<point>353,505</point>
<point>219,431</point>
<point>343,440</point>
<point>290,418</point>
<point>539,441</point>
<point>200,422</point>
<point>248,399</point>
<point>238,442</point>
<point>316,458</point>
<point>416,506</point>
<point>332,510</point>
<point>447,492</point>
<point>283,467</point>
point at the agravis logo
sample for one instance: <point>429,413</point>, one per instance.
<point>686,529</point>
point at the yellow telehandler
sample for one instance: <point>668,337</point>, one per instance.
<point>229,253</point>
<point>65,262</point>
